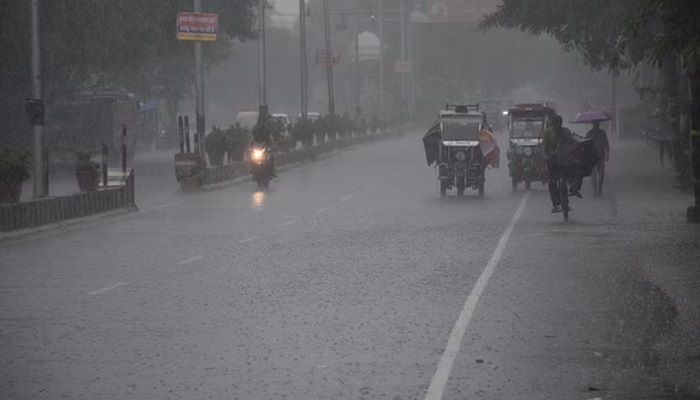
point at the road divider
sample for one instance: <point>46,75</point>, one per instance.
<point>192,178</point>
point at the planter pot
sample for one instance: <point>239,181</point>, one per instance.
<point>88,181</point>
<point>10,192</point>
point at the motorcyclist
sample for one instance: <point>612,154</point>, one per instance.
<point>552,140</point>
<point>261,135</point>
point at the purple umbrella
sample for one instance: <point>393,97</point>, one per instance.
<point>590,116</point>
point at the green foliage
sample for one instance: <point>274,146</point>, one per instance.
<point>124,43</point>
<point>216,145</point>
<point>616,34</point>
<point>667,28</point>
<point>232,141</point>
<point>84,163</point>
<point>15,166</point>
<point>589,27</point>
<point>237,141</point>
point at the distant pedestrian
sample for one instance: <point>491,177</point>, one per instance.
<point>602,145</point>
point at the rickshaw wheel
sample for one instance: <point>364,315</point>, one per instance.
<point>528,184</point>
<point>515,185</point>
<point>481,189</point>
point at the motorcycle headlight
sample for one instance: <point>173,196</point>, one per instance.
<point>527,151</point>
<point>519,150</point>
<point>461,156</point>
<point>258,154</point>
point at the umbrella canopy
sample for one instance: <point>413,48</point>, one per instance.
<point>431,143</point>
<point>590,116</point>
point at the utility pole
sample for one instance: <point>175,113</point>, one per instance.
<point>613,106</point>
<point>402,25</point>
<point>303,60</point>
<point>36,108</point>
<point>412,59</point>
<point>356,33</point>
<point>262,64</point>
<point>329,65</point>
<point>199,90</point>
<point>381,59</point>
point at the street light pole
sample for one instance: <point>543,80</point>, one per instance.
<point>262,64</point>
<point>358,107</point>
<point>380,10</point>
<point>303,60</point>
<point>412,59</point>
<point>329,65</point>
<point>199,89</point>
<point>40,180</point>
<point>402,25</point>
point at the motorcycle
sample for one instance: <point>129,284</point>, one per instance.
<point>261,165</point>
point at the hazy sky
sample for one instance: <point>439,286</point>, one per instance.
<point>287,6</point>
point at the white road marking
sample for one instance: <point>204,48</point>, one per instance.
<point>292,222</point>
<point>437,385</point>
<point>321,210</point>
<point>189,260</point>
<point>107,289</point>
<point>250,239</point>
<point>346,198</point>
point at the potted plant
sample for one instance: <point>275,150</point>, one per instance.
<point>15,167</point>
<point>216,146</point>
<point>87,172</point>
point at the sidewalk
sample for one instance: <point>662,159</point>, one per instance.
<point>651,217</point>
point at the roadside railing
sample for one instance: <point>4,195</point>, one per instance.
<point>51,210</point>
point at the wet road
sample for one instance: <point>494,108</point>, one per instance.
<point>352,279</point>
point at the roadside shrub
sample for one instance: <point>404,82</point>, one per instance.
<point>237,142</point>
<point>216,145</point>
<point>15,165</point>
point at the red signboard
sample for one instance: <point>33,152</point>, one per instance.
<point>197,26</point>
<point>402,67</point>
<point>327,58</point>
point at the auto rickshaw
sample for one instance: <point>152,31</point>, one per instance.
<point>461,146</point>
<point>526,126</point>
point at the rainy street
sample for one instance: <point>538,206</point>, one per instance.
<point>351,278</point>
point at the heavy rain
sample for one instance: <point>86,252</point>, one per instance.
<point>349,199</point>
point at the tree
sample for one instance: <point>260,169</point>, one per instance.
<point>620,34</point>
<point>126,43</point>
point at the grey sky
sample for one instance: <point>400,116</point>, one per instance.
<point>287,6</point>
